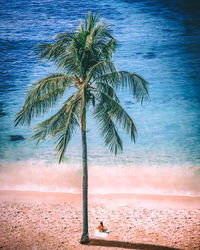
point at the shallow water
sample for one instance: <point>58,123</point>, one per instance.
<point>157,39</point>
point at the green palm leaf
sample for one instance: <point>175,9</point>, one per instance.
<point>108,130</point>
<point>127,80</point>
<point>53,52</point>
<point>65,132</point>
<point>42,96</point>
<point>136,84</point>
<point>106,88</point>
<point>61,125</point>
<point>117,113</point>
<point>98,71</point>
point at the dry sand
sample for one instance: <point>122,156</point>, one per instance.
<point>34,220</point>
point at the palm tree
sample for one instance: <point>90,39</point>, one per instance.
<point>85,59</point>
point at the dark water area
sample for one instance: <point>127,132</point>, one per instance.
<point>158,39</point>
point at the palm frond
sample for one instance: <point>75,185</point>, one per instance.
<point>42,96</point>
<point>61,125</point>
<point>100,34</point>
<point>106,88</point>
<point>108,130</point>
<point>126,80</point>
<point>65,132</point>
<point>53,52</point>
<point>90,21</point>
<point>112,78</point>
<point>103,42</point>
<point>136,84</point>
<point>117,113</point>
<point>110,48</point>
<point>92,43</point>
<point>99,69</point>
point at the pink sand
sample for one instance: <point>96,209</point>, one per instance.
<point>36,220</point>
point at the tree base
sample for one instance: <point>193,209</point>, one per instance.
<point>84,239</point>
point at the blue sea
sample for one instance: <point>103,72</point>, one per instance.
<point>159,40</point>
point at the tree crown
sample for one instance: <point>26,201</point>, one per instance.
<point>85,59</point>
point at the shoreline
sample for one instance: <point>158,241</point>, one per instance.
<point>43,220</point>
<point>123,199</point>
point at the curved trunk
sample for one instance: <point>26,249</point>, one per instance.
<point>85,236</point>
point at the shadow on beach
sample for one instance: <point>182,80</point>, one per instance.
<point>128,245</point>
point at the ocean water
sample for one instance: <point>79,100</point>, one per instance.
<point>159,40</point>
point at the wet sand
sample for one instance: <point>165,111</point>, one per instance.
<point>37,220</point>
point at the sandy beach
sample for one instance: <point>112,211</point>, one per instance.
<point>37,220</point>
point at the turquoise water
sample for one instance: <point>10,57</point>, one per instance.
<point>157,39</point>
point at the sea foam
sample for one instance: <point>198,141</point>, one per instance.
<point>38,176</point>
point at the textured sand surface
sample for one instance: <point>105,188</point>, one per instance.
<point>48,221</point>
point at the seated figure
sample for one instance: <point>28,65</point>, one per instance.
<point>101,227</point>
<point>101,231</point>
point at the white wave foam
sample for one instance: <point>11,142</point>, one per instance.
<point>36,176</point>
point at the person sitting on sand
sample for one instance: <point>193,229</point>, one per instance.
<point>101,228</point>
<point>101,231</point>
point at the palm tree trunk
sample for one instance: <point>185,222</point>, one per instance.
<point>85,236</point>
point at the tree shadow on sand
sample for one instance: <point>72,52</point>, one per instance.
<point>128,245</point>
